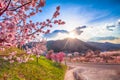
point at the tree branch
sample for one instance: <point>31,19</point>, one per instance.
<point>5,8</point>
<point>38,29</point>
<point>20,6</point>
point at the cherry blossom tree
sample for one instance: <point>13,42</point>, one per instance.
<point>38,49</point>
<point>16,28</point>
<point>56,57</point>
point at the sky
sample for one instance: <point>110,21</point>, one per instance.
<point>87,20</point>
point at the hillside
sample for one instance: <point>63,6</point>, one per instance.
<point>44,70</point>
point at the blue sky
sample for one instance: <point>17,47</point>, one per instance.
<point>101,18</point>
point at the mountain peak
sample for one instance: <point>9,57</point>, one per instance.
<point>69,45</point>
<point>73,45</point>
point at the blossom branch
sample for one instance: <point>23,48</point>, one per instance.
<point>20,6</point>
<point>5,8</point>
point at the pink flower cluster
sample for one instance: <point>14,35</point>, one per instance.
<point>37,49</point>
<point>2,49</point>
<point>14,58</point>
<point>57,57</point>
<point>14,25</point>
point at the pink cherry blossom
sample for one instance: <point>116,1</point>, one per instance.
<point>11,61</point>
<point>14,13</point>
<point>16,30</point>
<point>57,57</point>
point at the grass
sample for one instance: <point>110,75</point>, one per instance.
<point>44,70</point>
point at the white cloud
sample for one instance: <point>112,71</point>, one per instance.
<point>75,16</point>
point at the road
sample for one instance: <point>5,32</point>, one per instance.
<point>90,71</point>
